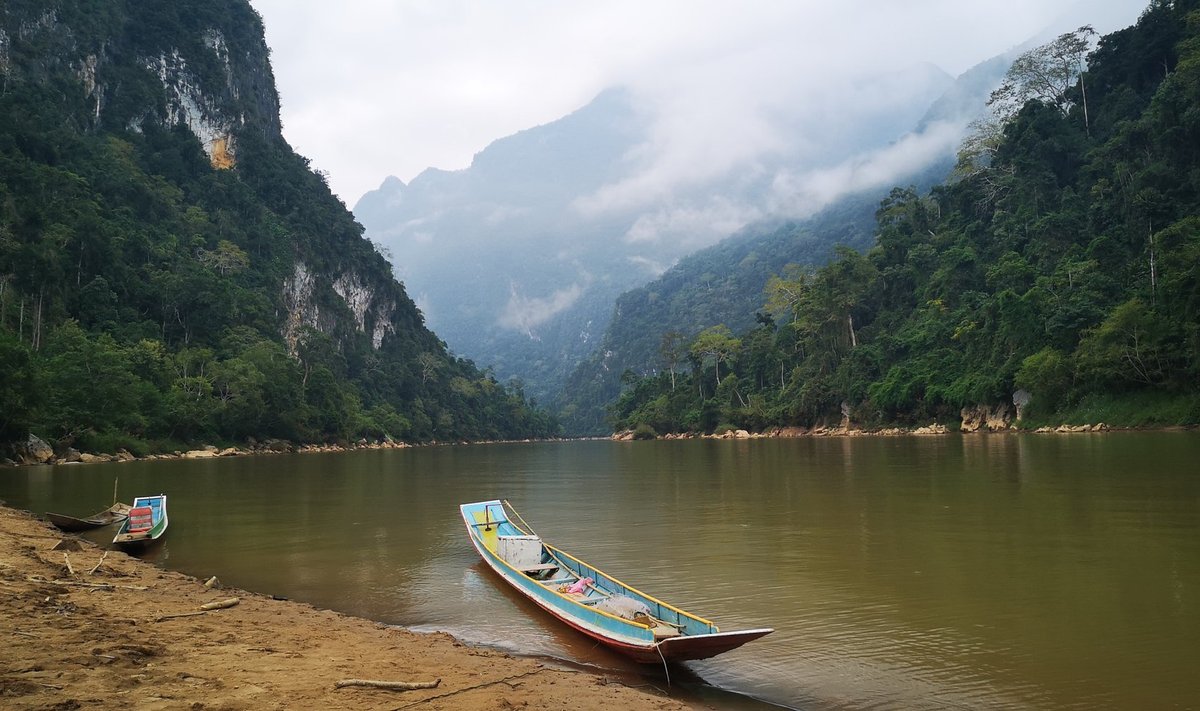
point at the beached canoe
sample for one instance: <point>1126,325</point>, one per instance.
<point>147,522</point>
<point>589,600</point>
<point>112,514</point>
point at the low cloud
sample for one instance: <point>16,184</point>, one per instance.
<point>801,194</point>
<point>689,226</point>
<point>653,267</point>
<point>376,88</point>
<point>525,313</point>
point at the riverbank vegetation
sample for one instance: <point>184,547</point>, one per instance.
<point>153,296</point>
<point>1060,264</point>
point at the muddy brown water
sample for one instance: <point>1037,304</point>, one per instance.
<point>977,571</point>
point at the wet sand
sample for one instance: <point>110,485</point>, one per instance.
<point>100,635</point>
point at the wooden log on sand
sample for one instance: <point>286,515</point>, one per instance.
<point>390,685</point>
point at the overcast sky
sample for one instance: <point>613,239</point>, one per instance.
<point>372,88</point>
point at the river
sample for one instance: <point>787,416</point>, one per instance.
<point>976,571</point>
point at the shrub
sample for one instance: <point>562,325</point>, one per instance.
<point>644,431</point>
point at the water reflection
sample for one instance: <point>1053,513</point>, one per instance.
<point>973,571</point>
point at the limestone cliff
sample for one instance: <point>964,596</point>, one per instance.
<point>152,205</point>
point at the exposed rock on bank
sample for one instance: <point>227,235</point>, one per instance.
<point>36,451</point>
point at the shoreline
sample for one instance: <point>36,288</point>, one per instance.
<point>36,451</point>
<point>920,431</point>
<point>92,628</point>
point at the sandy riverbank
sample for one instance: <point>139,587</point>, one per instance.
<point>95,639</point>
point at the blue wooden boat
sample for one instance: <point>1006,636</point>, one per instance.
<point>147,522</point>
<point>589,600</point>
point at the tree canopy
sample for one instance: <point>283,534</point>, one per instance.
<point>144,287</point>
<point>1064,265</point>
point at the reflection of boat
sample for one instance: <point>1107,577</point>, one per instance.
<point>596,604</point>
<point>112,514</point>
<point>147,522</point>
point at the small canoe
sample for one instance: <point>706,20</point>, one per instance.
<point>589,600</point>
<point>147,522</point>
<point>112,514</point>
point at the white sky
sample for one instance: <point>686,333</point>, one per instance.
<point>372,88</point>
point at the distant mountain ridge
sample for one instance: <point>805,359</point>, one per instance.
<point>513,264</point>
<point>518,259</point>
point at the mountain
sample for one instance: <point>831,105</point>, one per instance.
<point>517,260</point>
<point>172,272</point>
<point>1059,276</point>
<point>724,284</point>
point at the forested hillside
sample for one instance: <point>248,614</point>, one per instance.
<point>1062,261</point>
<point>720,284</point>
<point>172,272</point>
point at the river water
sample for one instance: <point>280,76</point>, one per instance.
<point>974,572</point>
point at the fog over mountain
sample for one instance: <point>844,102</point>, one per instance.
<point>516,260</point>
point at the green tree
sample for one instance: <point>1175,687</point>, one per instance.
<point>1047,376</point>
<point>1133,345</point>
<point>672,349</point>
<point>715,343</point>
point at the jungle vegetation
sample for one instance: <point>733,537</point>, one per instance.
<point>1062,259</point>
<point>142,299</point>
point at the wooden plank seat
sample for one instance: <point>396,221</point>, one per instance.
<point>538,568</point>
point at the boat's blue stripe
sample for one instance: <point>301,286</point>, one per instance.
<point>611,626</point>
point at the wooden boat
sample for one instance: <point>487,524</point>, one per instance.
<point>112,514</point>
<point>147,522</point>
<point>589,600</point>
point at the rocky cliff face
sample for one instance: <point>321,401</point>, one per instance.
<point>186,102</point>
<point>149,204</point>
<point>206,68</point>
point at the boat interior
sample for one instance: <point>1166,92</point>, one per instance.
<point>529,555</point>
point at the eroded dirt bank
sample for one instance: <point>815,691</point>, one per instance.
<point>101,638</point>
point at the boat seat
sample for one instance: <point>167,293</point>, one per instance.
<point>664,631</point>
<point>540,567</point>
<point>141,519</point>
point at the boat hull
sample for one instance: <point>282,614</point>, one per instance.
<point>111,515</point>
<point>697,638</point>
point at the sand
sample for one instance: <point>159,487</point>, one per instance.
<point>100,638</point>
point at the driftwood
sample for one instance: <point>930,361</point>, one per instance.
<point>506,680</point>
<point>98,563</point>
<point>172,616</point>
<point>220,604</point>
<point>390,685</point>
<point>76,583</point>
<point>205,608</point>
<point>67,560</point>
